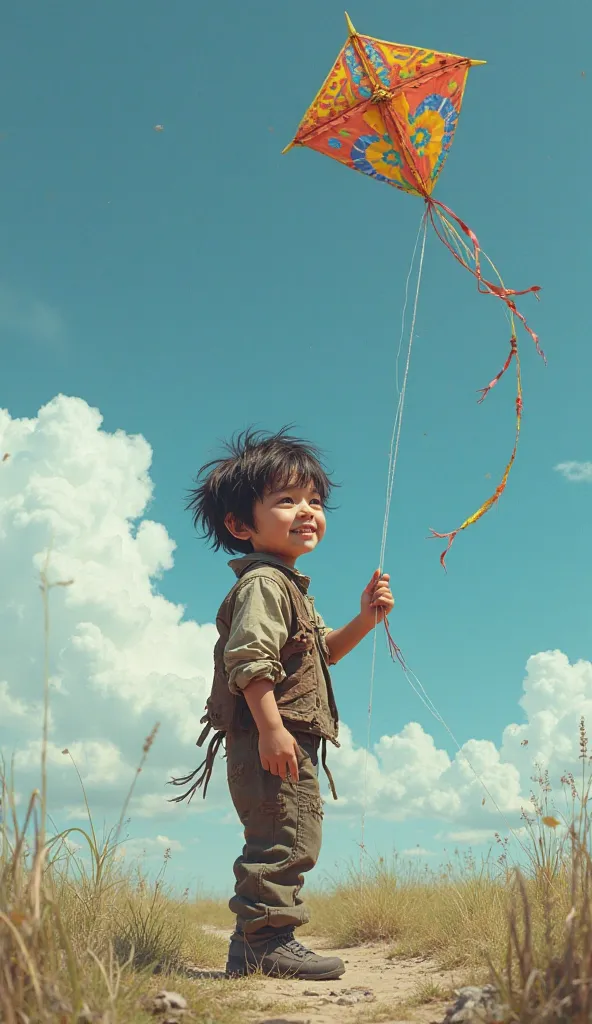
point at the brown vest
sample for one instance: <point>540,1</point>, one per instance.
<point>304,698</point>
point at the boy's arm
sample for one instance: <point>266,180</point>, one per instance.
<point>259,630</point>
<point>277,746</point>
<point>377,601</point>
<point>343,640</point>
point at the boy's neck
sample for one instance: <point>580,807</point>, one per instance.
<point>290,563</point>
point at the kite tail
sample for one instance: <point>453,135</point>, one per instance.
<point>469,256</point>
<point>472,255</point>
<point>450,537</point>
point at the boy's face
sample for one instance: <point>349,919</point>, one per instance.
<point>288,522</point>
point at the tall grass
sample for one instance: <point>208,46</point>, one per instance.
<point>84,937</point>
<point>526,927</point>
<point>81,934</point>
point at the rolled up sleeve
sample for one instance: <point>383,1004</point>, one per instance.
<point>259,630</point>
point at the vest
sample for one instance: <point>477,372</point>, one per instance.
<point>304,697</point>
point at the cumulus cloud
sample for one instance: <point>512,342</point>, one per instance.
<point>123,656</point>
<point>575,472</point>
<point>407,776</point>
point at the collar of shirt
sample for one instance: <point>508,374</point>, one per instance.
<point>240,565</point>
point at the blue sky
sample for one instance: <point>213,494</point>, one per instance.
<point>191,281</point>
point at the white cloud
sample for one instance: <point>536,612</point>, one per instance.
<point>28,317</point>
<point>124,657</point>
<point>97,761</point>
<point>576,472</point>
<point>11,707</point>
<point>409,777</point>
<point>151,846</point>
<point>417,851</point>
<point>475,836</point>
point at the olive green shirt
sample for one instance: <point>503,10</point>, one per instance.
<point>261,623</point>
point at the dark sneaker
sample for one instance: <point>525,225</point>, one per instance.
<point>281,956</point>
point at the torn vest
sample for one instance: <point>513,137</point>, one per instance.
<point>304,695</point>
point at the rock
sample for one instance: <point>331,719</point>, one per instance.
<point>345,997</point>
<point>356,995</point>
<point>476,1005</point>
<point>164,1002</point>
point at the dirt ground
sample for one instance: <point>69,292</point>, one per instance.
<point>374,988</point>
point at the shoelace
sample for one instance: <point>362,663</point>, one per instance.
<point>297,948</point>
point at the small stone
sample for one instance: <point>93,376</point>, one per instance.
<point>476,1005</point>
<point>355,995</point>
<point>165,1001</point>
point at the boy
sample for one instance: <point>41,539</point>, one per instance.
<point>272,699</point>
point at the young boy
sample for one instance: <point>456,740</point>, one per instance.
<point>272,699</point>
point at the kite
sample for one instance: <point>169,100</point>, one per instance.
<point>391,111</point>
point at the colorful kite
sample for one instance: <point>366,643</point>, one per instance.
<point>391,112</point>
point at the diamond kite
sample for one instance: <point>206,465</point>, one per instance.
<point>391,112</point>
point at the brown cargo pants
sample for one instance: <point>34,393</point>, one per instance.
<point>283,823</point>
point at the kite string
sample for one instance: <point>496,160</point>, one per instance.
<point>396,437</point>
<point>419,689</point>
<point>393,458</point>
<point>413,680</point>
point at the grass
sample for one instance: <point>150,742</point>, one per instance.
<point>528,930</point>
<point>84,938</point>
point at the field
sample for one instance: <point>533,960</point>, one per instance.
<point>84,938</point>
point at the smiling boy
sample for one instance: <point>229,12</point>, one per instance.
<point>272,699</point>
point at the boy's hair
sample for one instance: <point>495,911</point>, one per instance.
<point>254,461</point>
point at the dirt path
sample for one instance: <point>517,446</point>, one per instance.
<point>373,989</point>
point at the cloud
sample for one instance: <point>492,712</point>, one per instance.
<point>576,472</point>
<point>124,657</point>
<point>406,776</point>
<point>12,707</point>
<point>409,777</point>
<point>29,318</point>
<point>155,846</point>
<point>474,836</point>
<point>417,851</point>
<point>97,761</point>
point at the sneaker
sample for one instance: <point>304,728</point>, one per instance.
<point>281,956</point>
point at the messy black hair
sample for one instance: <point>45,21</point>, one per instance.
<point>253,462</point>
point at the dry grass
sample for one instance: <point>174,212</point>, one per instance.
<point>527,929</point>
<point>454,915</point>
<point>211,911</point>
<point>84,939</point>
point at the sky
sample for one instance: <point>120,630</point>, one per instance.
<point>160,290</point>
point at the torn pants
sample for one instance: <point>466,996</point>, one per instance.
<point>282,823</point>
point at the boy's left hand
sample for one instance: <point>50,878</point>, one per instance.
<point>377,599</point>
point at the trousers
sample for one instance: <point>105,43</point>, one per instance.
<point>282,823</point>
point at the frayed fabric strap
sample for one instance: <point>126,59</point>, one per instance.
<point>202,775</point>
<point>204,733</point>
<point>326,768</point>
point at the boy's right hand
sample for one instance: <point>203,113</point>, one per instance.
<point>278,751</point>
